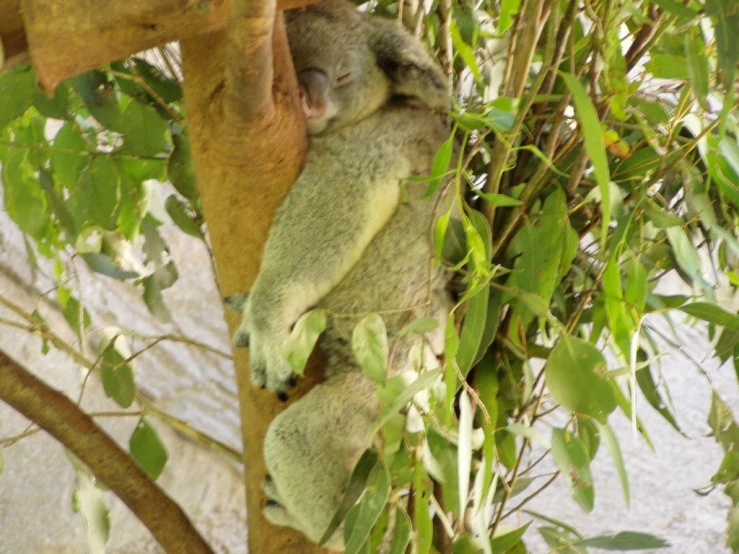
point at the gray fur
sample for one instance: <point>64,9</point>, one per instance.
<point>349,240</point>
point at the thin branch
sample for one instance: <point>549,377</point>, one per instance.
<point>62,419</point>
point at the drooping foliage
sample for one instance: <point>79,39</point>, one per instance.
<point>597,157</point>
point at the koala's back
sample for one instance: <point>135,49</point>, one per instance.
<point>395,271</point>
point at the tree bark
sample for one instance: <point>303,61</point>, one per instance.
<point>56,414</point>
<point>247,136</point>
<point>67,37</point>
<point>248,140</point>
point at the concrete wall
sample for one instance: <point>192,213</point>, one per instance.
<point>35,488</point>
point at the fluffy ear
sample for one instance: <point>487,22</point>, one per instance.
<point>411,70</point>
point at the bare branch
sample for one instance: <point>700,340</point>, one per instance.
<point>62,419</point>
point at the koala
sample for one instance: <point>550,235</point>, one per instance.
<point>352,237</point>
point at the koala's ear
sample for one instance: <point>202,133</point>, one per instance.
<point>409,67</point>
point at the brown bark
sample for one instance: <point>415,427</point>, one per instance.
<point>248,141</point>
<point>56,414</point>
<point>67,37</point>
<point>247,137</point>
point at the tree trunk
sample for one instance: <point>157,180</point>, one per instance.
<point>246,160</point>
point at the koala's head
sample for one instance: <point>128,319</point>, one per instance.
<point>350,64</point>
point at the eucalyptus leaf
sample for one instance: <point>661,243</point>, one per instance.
<point>575,377</point>
<point>572,460</point>
<point>370,346</point>
<point>303,339</point>
<point>355,488</point>
<point>147,449</point>
<point>369,508</point>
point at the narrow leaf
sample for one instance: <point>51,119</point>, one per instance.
<point>594,146</point>
<point>354,490</point>
<point>147,449</point>
<point>369,343</point>
<point>303,339</point>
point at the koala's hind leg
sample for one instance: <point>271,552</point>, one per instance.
<point>311,449</point>
<point>274,511</point>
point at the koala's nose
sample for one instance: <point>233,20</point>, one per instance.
<point>314,88</point>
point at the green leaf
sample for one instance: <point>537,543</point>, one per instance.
<point>609,437</point>
<point>167,89</point>
<point>561,540</point>
<point>100,183</point>
<point>401,533</point>
<point>440,165</point>
<point>668,66</point>
<point>179,214</point>
<point>466,53</point>
<point>162,278</point>
<point>649,389</point>
<point>440,228</point>
<point>67,165</point>
<point>626,541</point>
<point>572,460</point>
<point>419,326</point>
<point>72,311</point>
<point>179,167</point>
<point>472,329</point>
<point>303,339</point>
<point>422,490</point>
<point>147,449</point>
<point>695,56</point>
<point>101,98</point>
<point>369,343</point>
<point>576,377</point>
<point>528,432</point>
<point>508,9</point>
<point>63,216</point>
<point>25,201</point>
<point>423,382</point>
<point>89,500</point>
<point>711,313</point>
<point>16,91</point>
<point>442,466</point>
<point>719,416</point>
<point>103,264</point>
<point>370,507</point>
<point>56,106</point>
<point>594,146</point>
<point>145,132</point>
<point>676,8</point>
<point>589,433</point>
<point>354,490</point>
<point>116,373</point>
<point>498,200</point>
<point>621,325</point>
<point>503,542</point>
<point>466,544</point>
<point>636,287</point>
<point>685,253</point>
<point>464,449</point>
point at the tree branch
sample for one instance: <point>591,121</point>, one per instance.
<point>66,37</point>
<point>62,419</point>
<point>248,141</point>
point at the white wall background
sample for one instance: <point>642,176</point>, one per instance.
<point>35,487</point>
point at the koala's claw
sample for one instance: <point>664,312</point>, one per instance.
<point>241,339</point>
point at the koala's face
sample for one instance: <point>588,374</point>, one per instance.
<point>338,74</point>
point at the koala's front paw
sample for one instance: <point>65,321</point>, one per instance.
<point>269,369</point>
<point>265,333</point>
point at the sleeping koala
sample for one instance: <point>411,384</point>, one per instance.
<point>353,237</point>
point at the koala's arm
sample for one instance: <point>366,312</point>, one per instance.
<point>322,229</point>
<point>339,203</point>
